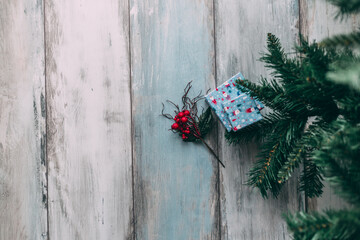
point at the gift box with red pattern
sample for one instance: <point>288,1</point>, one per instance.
<point>225,93</point>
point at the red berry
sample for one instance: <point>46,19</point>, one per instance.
<point>181,114</point>
<point>186,112</point>
<point>183,136</point>
<point>187,131</point>
<point>175,126</point>
<point>177,120</point>
<point>184,119</point>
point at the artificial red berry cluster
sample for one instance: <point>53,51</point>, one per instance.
<point>187,122</point>
<point>182,124</point>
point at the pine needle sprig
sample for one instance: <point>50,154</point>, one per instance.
<point>347,73</point>
<point>263,173</point>
<point>350,108</point>
<point>283,68</point>
<point>205,122</point>
<point>274,96</point>
<point>340,224</point>
<point>311,179</point>
<point>274,154</point>
<point>346,7</point>
<point>350,40</point>
<point>339,162</point>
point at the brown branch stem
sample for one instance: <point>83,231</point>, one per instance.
<point>212,151</point>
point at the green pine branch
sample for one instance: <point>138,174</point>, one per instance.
<point>311,180</point>
<point>293,161</point>
<point>308,85</point>
<point>347,73</point>
<point>270,93</point>
<point>343,40</point>
<point>283,68</point>
<point>274,154</point>
<point>346,6</point>
<point>264,171</point>
<point>339,160</point>
<point>205,122</point>
<point>350,108</point>
<point>341,224</point>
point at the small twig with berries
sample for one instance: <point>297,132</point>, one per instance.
<point>187,124</point>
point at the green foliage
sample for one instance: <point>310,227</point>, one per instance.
<point>301,90</point>
<point>298,92</point>
<point>275,150</point>
<point>339,159</point>
<point>205,122</point>
<point>343,40</point>
<point>346,6</point>
<point>341,224</point>
<point>348,75</point>
<point>303,146</point>
<point>311,180</point>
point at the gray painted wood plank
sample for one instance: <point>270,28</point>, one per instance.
<point>175,182</point>
<point>89,119</point>
<point>22,121</point>
<point>318,18</point>
<point>241,32</point>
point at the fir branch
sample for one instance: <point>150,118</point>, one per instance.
<point>273,156</point>
<point>315,61</point>
<point>274,96</point>
<point>347,73</point>
<point>346,6</point>
<point>287,70</point>
<point>350,107</point>
<point>341,224</point>
<point>205,122</point>
<point>338,160</point>
<point>262,175</point>
<point>316,88</point>
<point>293,161</point>
<point>301,89</point>
<point>342,40</point>
<point>311,180</point>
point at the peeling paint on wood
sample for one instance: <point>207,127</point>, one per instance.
<point>22,124</point>
<point>241,32</point>
<point>89,120</point>
<point>175,191</point>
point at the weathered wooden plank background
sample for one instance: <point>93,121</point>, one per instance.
<point>88,119</point>
<point>23,197</point>
<point>174,183</point>
<point>83,151</point>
